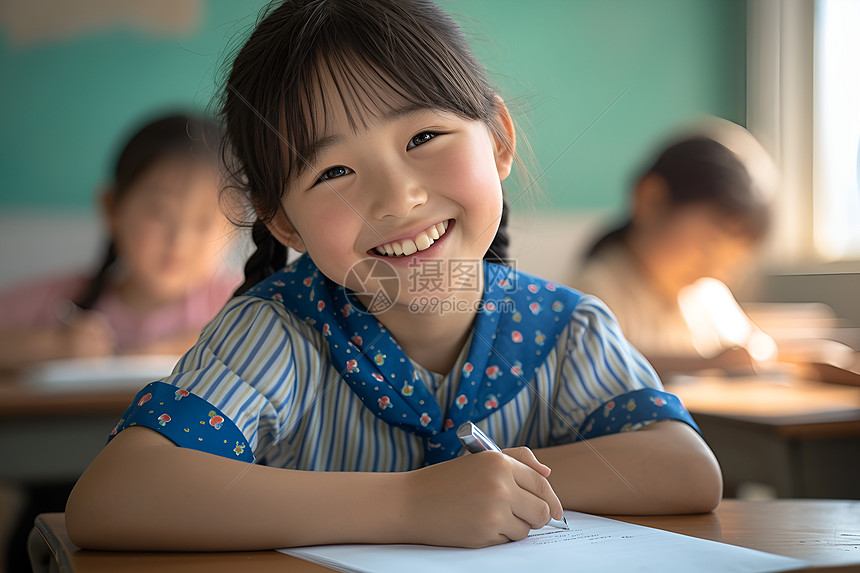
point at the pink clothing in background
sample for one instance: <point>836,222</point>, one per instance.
<point>42,303</point>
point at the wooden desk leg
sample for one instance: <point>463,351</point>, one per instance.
<point>41,558</point>
<point>48,552</point>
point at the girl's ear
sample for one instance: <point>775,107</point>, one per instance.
<point>650,200</point>
<point>284,232</point>
<point>506,143</point>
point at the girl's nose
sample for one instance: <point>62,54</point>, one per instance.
<point>394,195</point>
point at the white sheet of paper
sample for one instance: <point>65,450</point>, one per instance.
<point>95,374</point>
<point>592,544</point>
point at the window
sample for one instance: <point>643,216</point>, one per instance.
<point>803,104</point>
<point>836,127</point>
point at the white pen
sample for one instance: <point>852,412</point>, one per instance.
<point>476,441</point>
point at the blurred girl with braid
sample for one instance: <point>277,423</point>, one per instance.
<point>322,404</point>
<point>698,213</point>
<point>161,279</point>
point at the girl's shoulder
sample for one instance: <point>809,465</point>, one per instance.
<point>517,282</point>
<point>583,314</point>
<point>529,303</point>
<point>532,296</point>
<point>261,318</point>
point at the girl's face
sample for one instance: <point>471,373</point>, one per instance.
<point>168,228</point>
<point>382,186</point>
<point>688,243</point>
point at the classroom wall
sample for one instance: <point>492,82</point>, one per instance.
<point>593,84</point>
<point>71,94</point>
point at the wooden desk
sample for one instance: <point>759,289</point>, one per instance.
<point>51,435</point>
<point>801,437</point>
<point>824,532</point>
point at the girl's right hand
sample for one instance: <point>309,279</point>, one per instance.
<point>480,499</point>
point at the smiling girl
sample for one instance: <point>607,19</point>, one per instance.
<point>369,139</point>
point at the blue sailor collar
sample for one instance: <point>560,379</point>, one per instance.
<point>521,318</point>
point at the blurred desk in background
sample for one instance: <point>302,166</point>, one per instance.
<point>54,424</point>
<point>52,436</point>
<point>801,437</point>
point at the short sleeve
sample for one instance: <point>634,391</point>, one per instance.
<point>607,386</point>
<point>233,393</point>
<point>195,423</point>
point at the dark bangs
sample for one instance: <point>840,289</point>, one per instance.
<point>372,56</point>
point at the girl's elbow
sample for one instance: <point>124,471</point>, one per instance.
<point>80,523</point>
<point>81,535</point>
<point>708,497</point>
<point>703,476</point>
<point>705,485</point>
<point>88,518</point>
<point>715,493</point>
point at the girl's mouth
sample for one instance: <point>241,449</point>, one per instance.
<point>420,242</point>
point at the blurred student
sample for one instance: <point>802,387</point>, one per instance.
<point>161,279</point>
<point>160,282</point>
<point>696,216</point>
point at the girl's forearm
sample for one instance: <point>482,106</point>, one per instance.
<point>664,468</point>
<point>144,493</point>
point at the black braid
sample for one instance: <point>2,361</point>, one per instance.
<point>498,251</point>
<point>97,283</point>
<point>269,257</point>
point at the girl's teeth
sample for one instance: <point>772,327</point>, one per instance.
<point>409,247</point>
<point>421,242</point>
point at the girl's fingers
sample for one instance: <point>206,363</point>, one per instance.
<point>517,529</point>
<point>527,457</point>
<point>531,477</point>
<point>532,511</point>
<point>538,501</point>
<point>498,499</point>
<point>536,484</point>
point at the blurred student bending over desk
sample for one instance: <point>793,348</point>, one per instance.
<point>696,214</point>
<point>160,281</point>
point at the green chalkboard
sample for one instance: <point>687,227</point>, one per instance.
<point>593,83</point>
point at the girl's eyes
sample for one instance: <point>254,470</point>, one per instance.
<point>334,173</point>
<point>340,170</point>
<point>420,139</point>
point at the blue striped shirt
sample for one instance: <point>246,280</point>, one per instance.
<point>266,376</point>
